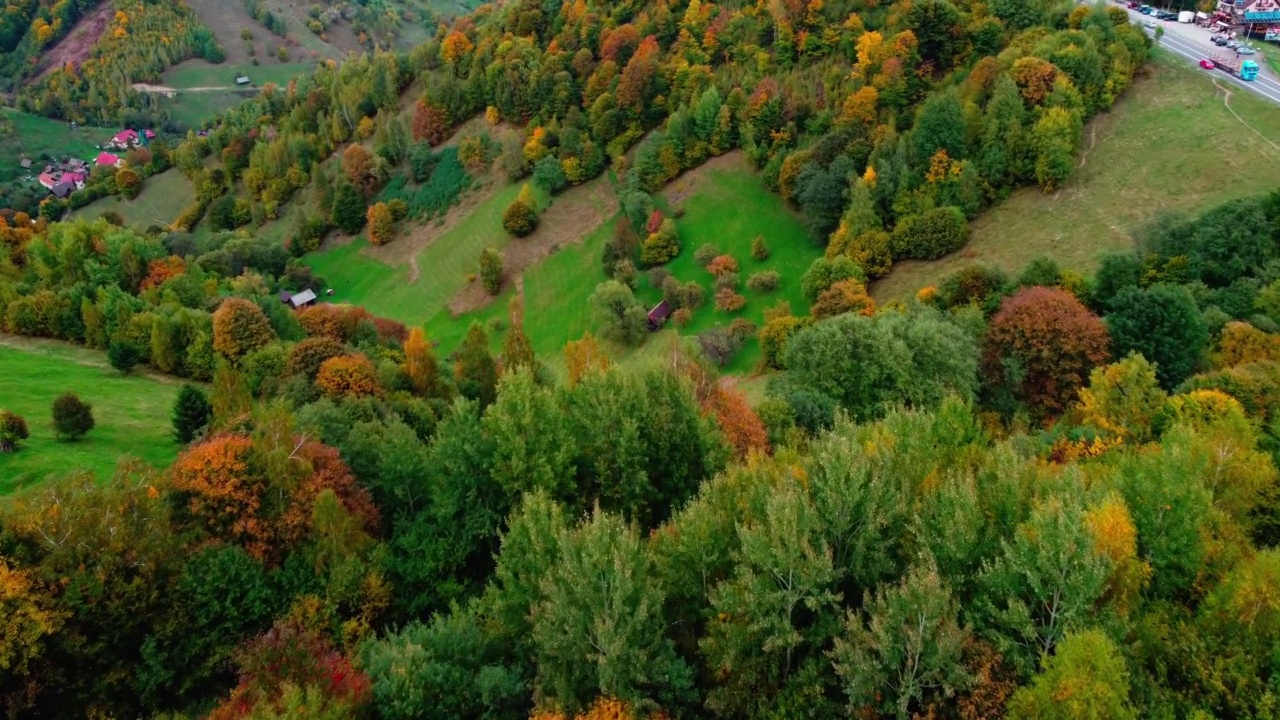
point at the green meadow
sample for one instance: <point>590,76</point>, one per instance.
<point>131,412</point>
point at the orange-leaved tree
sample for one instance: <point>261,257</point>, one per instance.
<point>584,357</point>
<point>348,376</point>
<point>240,327</point>
<point>420,365</point>
<point>740,424</point>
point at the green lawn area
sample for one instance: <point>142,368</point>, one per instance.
<point>1169,144</point>
<point>728,207</point>
<point>163,198</point>
<point>443,266</point>
<point>132,412</point>
<point>558,289</point>
<point>36,136</point>
<point>193,108</point>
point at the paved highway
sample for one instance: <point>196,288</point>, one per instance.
<point>1264,85</point>
<point>1185,42</point>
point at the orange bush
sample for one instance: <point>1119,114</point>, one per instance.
<point>348,376</point>
<point>163,269</point>
<point>722,265</point>
<point>741,426</point>
<point>222,493</point>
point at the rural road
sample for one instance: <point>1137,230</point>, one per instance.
<point>165,89</point>
<point>1192,44</point>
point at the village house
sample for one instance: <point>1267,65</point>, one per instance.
<point>106,159</point>
<point>124,140</point>
<point>306,298</point>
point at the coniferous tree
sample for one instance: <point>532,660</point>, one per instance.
<point>474,367</point>
<point>72,417</point>
<point>191,413</point>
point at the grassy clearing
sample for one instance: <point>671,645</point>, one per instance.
<point>558,288</point>
<point>39,137</point>
<point>132,412</point>
<point>1170,144</point>
<point>727,205</point>
<point>162,199</point>
<point>193,108</point>
<point>443,266</point>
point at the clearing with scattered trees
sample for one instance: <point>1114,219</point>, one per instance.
<point>132,412</point>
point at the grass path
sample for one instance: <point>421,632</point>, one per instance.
<point>1173,142</point>
<point>132,412</point>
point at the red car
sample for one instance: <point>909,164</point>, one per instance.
<point>1207,64</point>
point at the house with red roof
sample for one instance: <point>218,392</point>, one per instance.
<point>124,140</point>
<point>106,159</point>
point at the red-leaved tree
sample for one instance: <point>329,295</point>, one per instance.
<point>1041,346</point>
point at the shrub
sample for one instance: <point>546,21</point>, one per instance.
<point>240,327</point>
<point>766,281</point>
<point>719,344</point>
<point>13,430</point>
<point>681,317</point>
<point>72,417</point>
<point>847,295</point>
<point>662,246</point>
<point>722,265</point>
<point>759,250</point>
<point>729,280</point>
<point>519,219</point>
<point>705,254</point>
<point>824,273</point>
<point>491,270</point>
<point>930,236</point>
<point>307,356</point>
<point>622,317</point>
<point>729,301</point>
<point>123,356</point>
<point>381,223</point>
<point>548,173</point>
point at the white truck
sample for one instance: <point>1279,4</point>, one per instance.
<point>1187,16</point>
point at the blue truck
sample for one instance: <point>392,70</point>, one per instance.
<point>1241,68</point>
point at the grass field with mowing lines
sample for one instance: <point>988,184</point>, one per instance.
<point>131,412</point>
<point>162,200</point>
<point>443,267</point>
<point>1168,145</point>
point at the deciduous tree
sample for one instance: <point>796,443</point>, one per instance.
<point>240,327</point>
<point>348,376</point>
<point>1041,347</point>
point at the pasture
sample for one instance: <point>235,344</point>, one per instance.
<point>163,198</point>
<point>131,412</point>
<point>23,134</point>
<point>1175,142</point>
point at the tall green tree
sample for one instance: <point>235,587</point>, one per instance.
<point>600,629</point>
<point>1163,324</point>
<point>1086,679</point>
<point>474,369</point>
<point>907,649</point>
<point>1046,579</point>
<point>765,617</point>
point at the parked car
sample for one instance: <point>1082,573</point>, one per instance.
<point>1219,40</point>
<point>1246,50</point>
<point>1149,24</point>
<point>1234,44</point>
<point>1207,64</point>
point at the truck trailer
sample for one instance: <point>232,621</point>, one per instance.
<point>1187,16</point>
<point>1238,66</point>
